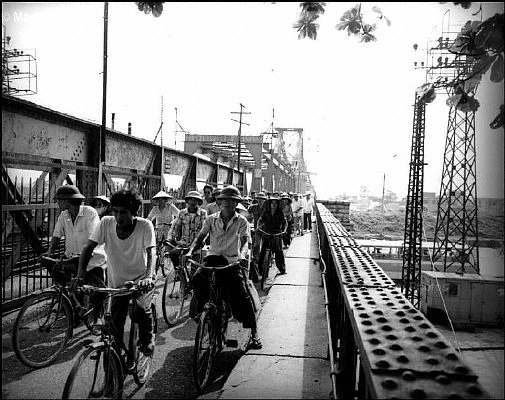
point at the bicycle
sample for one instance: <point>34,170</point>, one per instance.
<point>101,369</point>
<point>177,290</point>
<point>268,259</point>
<point>212,326</point>
<point>162,258</point>
<point>45,323</point>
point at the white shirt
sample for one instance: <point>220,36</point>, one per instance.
<point>127,258</point>
<point>308,204</point>
<point>77,234</point>
<point>297,208</point>
<point>165,216</point>
<point>226,242</point>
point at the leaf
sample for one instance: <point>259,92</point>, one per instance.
<point>489,33</point>
<point>468,104</point>
<point>497,69</point>
<point>342,25</point>
<point>499,121</point>
<point>453,100</point>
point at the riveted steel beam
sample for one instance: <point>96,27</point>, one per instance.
<point>400,353</point>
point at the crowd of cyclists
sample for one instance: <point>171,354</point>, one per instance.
<point>107,244</point>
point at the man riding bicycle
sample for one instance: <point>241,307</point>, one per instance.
<point>272,221</point>
<point>164,213</point>
<point>229,235</point>
<point>130,247</point>
<point>75,222</point>
<point>186,226</point>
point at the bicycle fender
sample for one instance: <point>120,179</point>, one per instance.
<point>95,345</point>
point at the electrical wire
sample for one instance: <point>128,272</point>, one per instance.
<point>440,291</point>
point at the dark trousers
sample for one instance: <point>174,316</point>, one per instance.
<point>233,283</point>
<point>276,246</point>
<point>141,315</point>
<point>307,221</point>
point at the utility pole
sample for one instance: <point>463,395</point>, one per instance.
<point>176,131</point>
<point>162,149</point>
<point>101,139</point>
<point>240,132</point>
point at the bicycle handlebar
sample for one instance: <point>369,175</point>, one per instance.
<point>271,234</point>
<point>127,287</point>
<point>218,268</point>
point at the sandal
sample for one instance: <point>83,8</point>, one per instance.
<point>255,343</point>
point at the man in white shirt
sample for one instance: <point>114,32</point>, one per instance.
<point>164,213</point>
<point>130,245</point>
<point>76,223</point>
<point>308,205</point>
<point>297,208</point>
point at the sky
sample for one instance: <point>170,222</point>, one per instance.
<point>353,100</point>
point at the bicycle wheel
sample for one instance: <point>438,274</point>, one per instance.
<point>42,329</point>
<point>204,350</point>
<point>174,294</point>
<point>96,374</point>
<point>266,267</point>
<point>142,362</point>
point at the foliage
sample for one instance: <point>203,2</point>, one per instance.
<point>155,8</point>
<point>368,224</point>
<point>481,41</point>
<point>306,25</point>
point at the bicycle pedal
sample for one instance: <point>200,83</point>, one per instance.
<point>131,367</point>
<point>231,343</point>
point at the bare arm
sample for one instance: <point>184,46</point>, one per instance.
<point>54,242</point>
<point>86,254</point>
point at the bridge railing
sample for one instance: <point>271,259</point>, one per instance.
<point>382,346</point>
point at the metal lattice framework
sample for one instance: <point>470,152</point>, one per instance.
<point>457,206</point>
<point>413,236</point>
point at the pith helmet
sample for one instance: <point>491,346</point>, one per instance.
<point>194,195</point>
<point>105,199</point>
<point>261,195</point>
<point>286,196</point>
<point>240,207</point>
<point>230,192</point>
<point>162,195</point>
<point>68,192</point>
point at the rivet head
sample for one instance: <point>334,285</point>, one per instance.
<point>442,379</point>
<point>382,364</point>
<point>432,361</point>
<point>408,376</point>
<point>474,390</point>
<point>389,384</point>
<point>402,359</point>
<point>418,394</point>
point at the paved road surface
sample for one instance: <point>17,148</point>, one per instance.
<point>172,366</point>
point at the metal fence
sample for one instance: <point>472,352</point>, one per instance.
<point>381,345</point>
<point>29,213</point>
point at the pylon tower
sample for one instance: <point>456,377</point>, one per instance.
<point>457,205</point>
